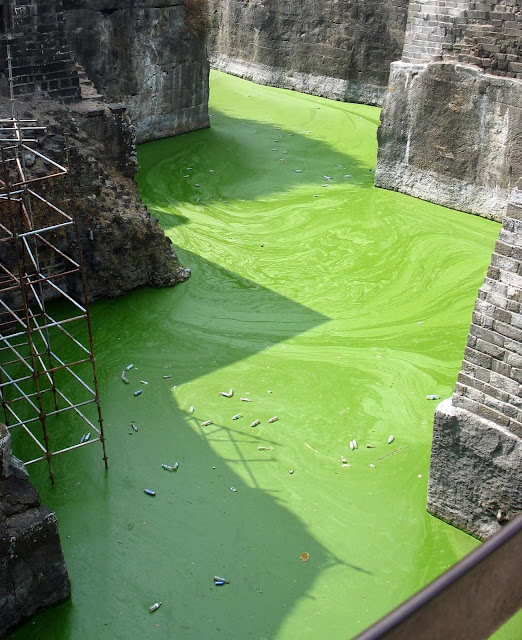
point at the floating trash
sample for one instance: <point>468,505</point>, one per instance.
<point>284,152</point>
<point>129,367</point>
<point>191,410</point>
<point>340,166</point>
<point>390,440</point>
<point>347,175</point>
<point>189,169</point>
<point>420,322</point>
<point>370,446</point>
<point>255,423</point>
<point>233,489</point>
<point>211,171</point>
<point>82,439</point>
<point>324,185</point>
<point>237,416</point>
<point>305,557</point>
<point>298,170</point>
<point>226,394</point>
<point>372,466</point>
<point>432,396</point>
<point>167,376</point>
<point>143,382</point>
<point>420,475</point>
<point>269,391</point>
<point>274,419</point>
<point>167,467</point>
<point>353,445</point>
<point>327,177</point>
<point>187,176</point>
<point>197,184</point>
<point>316,196</point>
<point>343,461</point>
<point>274,149</point>
<point>155,607</point>
<point>149,492</point>
<point>219,582</point>
<point>134,427</point>
<point>206,423</point>
<point>124,377</point>
<point>265,448</point>
<point>246,399</point>
<point>138,392</point>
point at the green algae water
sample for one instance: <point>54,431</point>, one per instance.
<point>336,307</point>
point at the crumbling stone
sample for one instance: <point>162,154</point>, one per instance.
<point>33,575</point>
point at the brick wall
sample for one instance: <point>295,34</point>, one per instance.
<point>486,34</point>
<point>41,58</point>
<point>490,381</point>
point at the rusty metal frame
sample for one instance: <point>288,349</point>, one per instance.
<point>28,363</point>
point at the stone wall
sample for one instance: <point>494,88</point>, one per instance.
<point>33,574</point>
<point>476,456</point>
<point>340,50</point>
<point>147,55</point>
<point>41,58</point>
<point>451,125</point>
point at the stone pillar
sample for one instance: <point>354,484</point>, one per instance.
<point>476,461</point>
<point>33,575</point>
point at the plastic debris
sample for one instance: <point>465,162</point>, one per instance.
<point>265,448</point>
<point>124,377</point>
<point>420,475</point>
<point>206,423</point>
<point>291,472</point>
<point>129,367</point>
<point>211,171</point>
<point>227,394</point>
<point>432,396</point>
<point>269,391</point>
<point>327,177</point>
<point>246,399</point>
<point>233,489</point>
<point>237,416</point>
<point>353,445</point>
<point>305,557</point>
<point>274,419</point>
<point>167,377</point>
<point>149,492</point>
<point>343,461</point>
<point>372,466</point>
<point>167,467</point>
<point>311,448</point>
<point>155,607</point>
<point>197,184</point>
<point>347,175</point>
<point>191,410</point>
<point>138,392</point>
<point>82,439</point>
<point>390,440</point>
<point>134,427</point>
<point>370,446</point>
<point>255,423</point>
<point>298,170</point>
<point>219,582</point>
<point>144,382</point>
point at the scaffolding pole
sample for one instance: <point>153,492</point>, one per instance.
<point>37,268</point>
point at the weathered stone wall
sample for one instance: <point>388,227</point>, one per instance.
<point>146,55</point>
<point>41,58</point>
<point>452,133</point>
<point>341,50</point>
<point>123,247</point>
<point>33,574</point>
<point>486,34</point>
<point>476,460</point>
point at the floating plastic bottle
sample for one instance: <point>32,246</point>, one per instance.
<point>255,423</point>
<point>390,440</point>
<point>138,392</point>
<point>274,419</point>
<point>129,367</point>
<point>432,396</point>
<point>155,607</point>
<point>135,428</point>
<point>149,492</point>
<point>245,399</point>
<point>206,423</point>
<point>167,377</point>
<point>191,410</point>
<point>237,416</point>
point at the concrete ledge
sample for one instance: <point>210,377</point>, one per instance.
<point>474,482</point>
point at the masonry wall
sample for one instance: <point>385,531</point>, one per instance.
<point>340,50</point>
<point>41,58</point>
<point>451,125</point>
<point>476,459</point>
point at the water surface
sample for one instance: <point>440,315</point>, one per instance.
<point>328,303</point>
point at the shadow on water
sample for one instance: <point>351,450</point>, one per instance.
<point>240,159</point>
<point>125,550</point>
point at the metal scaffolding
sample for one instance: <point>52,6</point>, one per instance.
<point>43,301</point>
